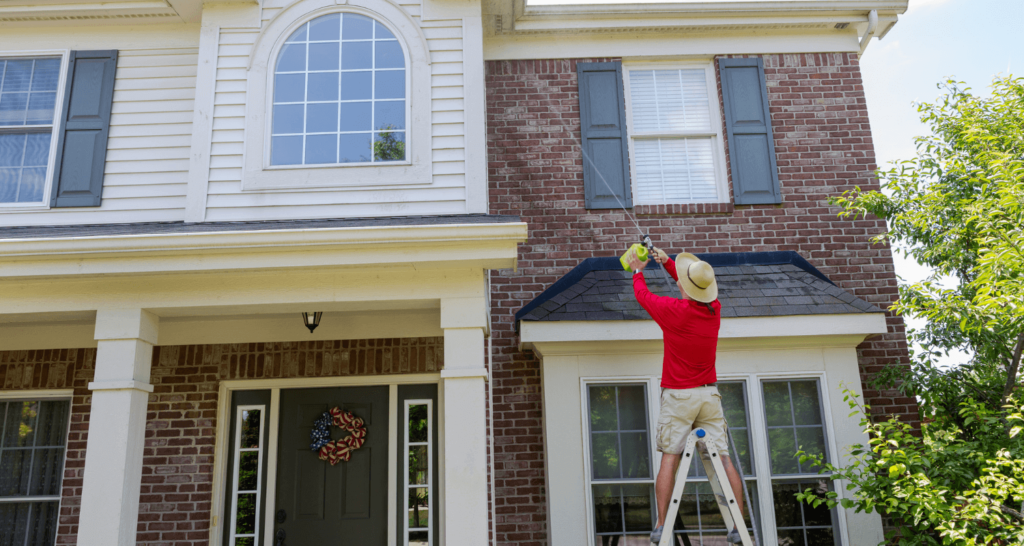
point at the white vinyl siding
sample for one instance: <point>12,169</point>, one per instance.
<point>444,193</point>
<point>675,135</point>
<point>146,171</point>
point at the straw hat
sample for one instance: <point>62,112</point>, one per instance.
<point>696,278</point>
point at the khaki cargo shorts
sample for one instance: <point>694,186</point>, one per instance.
<point>683,410</point>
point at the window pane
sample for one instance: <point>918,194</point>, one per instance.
<point>31,524</point>
<point>418,538</point>
<point>323,56</point>
<point>18,76</point>
<point>733,403</point>
<point>357,55</point>
<point>250,428</point>
<point>603,414</point>
<point>10,180</point>
<point>805,402</point>
<point>358,85</point>
<point>669,100</point>
<point>12,108</point>
<point>820,515</point>
<point>246,516</point>
<point>382,32</point>
<point>357,27</point>
<point>390,84</point>
<point>323,86</point>
<point>327,27</point>
<point>608,509</point>
<point>791,537</point>
<point>291,87</point>
<point>418,423</point>
<point>245,541</point>
<point>782,448</point>
<point>419,511</point>
<point>15,472</point>
<point>47,465</point>
<point>777,407</point>
<point>418,465</point>
<point>292,58</point>
<point>321,117</point>
<point>37,150</point>
<point>299,35</point>
<point>388,115</point>
<point>40,108</point>
<point>288,119</point>
<point>388,55</point>
<point>321,149</point>
<point>354,148</point>
<point>24,158</point>
<point>356,116</point>
<point>286,150</point>
<point>636,458</point>
<point>248,470</point>
<point>638,501</point>
<point>797,521</point>
<point>675,170</point>
<point>47,75</point>
<point>605,456</point>
<point>632,407</point>
<point>389,146</point>
<point>811,441</point>
<point>787,508</point>
<point>21,422</point>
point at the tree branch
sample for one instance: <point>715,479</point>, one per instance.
<point>1011,373</point>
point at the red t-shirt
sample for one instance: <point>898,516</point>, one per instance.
<point>690,334</point>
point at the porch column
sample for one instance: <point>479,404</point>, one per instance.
<point>463,422</point>
<point>117,427</point>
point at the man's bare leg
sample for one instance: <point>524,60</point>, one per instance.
<point>735,480</point>
<point>666,482</point>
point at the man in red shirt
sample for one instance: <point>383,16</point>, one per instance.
<point>689,396</point>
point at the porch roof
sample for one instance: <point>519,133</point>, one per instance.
<point>177,228</point>
<point>751,284</point>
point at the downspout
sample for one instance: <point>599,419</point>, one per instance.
<point>490,402</point>
<point>872,25</point>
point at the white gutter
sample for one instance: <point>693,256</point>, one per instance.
<point>872,25</point>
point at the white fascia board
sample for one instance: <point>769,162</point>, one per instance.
<point>632,336</point>
<point>699,8</point>
<point>492,245</point>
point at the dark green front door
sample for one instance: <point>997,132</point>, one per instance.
<point>322,504</point>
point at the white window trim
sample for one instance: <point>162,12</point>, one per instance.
<point>65,55</point>
<point>259,175</point>
<point>759,439</point>
<point>717,140</point>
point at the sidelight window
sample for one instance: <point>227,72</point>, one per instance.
<point>246,486</point>
<point>339,94</point>
<point>33,441</point>
<point>419,480</point>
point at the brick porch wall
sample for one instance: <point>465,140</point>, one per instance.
<point>823,147</point>
<point>177,472</point>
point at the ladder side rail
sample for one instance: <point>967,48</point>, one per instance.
<point>667,538</point>
<point>731,509</point>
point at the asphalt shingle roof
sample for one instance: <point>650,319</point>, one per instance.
<point>750,284</point>
<point>153,228</point>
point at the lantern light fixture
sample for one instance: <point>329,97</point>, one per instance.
<point>312,320</point>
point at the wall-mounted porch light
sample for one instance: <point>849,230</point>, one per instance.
<point>312,320</point>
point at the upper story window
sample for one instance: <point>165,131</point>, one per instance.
<point>339,94</point>
<point>675,135</point>
<point>28,98</point>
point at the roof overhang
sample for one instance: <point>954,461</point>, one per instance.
<point>519,17</point>
<point>443,246</point>
<point>644,336</point>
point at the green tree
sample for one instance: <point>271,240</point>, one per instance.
<point>389,145</point>
<point>957,208</point>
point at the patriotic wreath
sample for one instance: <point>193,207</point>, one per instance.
<point>337,450</point>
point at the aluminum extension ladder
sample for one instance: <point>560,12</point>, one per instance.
<point>723,495</point>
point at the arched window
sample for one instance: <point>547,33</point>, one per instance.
<point>339,94</point>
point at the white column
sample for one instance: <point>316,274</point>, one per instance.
<point>117,427</point>
<point>464,426</point>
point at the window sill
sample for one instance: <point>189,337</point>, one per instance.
<point>23,207</point>
<point>683,209</point>
<point>337,176</point>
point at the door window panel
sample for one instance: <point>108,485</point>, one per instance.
<point>419,480</point>
<point>33,441</point>
<point>28,99</point>
<point>339,94</point>
<point>248,470</point>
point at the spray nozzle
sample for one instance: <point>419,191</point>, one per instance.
<point>646,241</point>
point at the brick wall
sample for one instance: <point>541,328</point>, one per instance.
<point>823,147</point>
<point>177,472</point>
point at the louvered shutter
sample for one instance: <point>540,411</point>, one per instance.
<point>84,126</point>
<point>605,142</point>
<point>755,175</point>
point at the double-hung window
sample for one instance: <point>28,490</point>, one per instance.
<point>33,439</point>
<point>622,464</point>
<point>28,101</point>
<point>675,134</point>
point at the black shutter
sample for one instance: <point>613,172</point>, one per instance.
<point>84,124</point>
<point>755,175</point>
<point>605,142</point>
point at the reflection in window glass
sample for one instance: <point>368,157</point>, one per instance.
<point>339,94</point>
<point>795,422</point>
<point>33,438</point>
<point>418,479</point>
<point>247,488</point>
<point>28,98</point>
